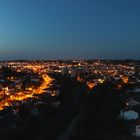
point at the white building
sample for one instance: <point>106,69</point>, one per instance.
<point>129,115</point>
<point>137,131</point>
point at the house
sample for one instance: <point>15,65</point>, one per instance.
<point>136,90</point>
<point>132,102</point>
<point>129,115</point>
<point>137,130</point>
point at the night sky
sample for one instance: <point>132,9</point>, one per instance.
<point>69,29</point>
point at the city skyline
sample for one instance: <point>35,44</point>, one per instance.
<point>72,29</point>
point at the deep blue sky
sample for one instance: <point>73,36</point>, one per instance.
<point>65,29</point>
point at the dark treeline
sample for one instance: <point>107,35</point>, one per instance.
<point>99,116</point>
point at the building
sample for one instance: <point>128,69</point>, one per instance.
<point>137,70</point>
<point>129,115</point>
<point>137,130</point>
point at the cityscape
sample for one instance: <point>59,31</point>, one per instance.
<point>34,92</point>
<point>69,70</point>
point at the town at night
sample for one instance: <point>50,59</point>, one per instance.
<point>41,99</point>
<point>69,69</point>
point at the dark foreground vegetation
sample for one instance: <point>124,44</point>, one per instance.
<point>99,116</point>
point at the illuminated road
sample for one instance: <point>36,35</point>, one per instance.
<point>21,96</point>
<point>44,85</point>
